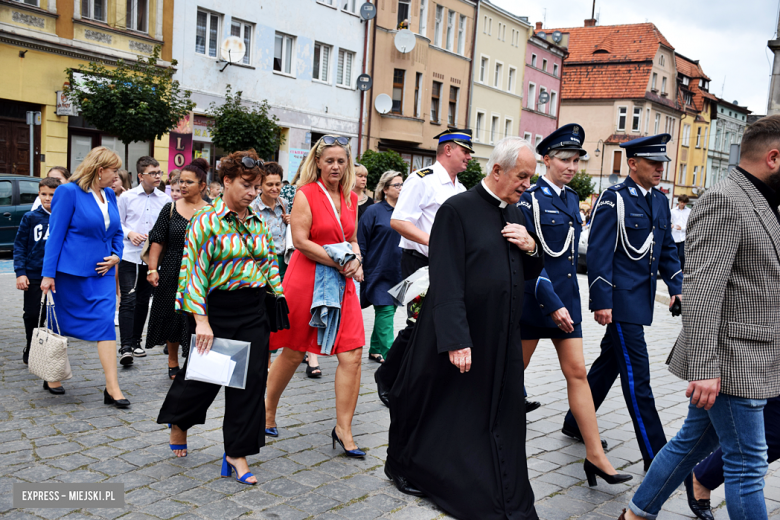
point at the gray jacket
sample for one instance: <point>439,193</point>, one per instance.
<point>731,292</point>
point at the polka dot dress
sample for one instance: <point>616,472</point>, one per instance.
<point>165,324</point>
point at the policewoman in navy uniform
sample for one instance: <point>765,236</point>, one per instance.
<point>424,192</point>
<point>551,306</point>
<point>630,242</point>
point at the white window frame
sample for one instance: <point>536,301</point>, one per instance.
<point>287,51</point>
<point>544,64</point>
<point>657,124</point>
<point>531,104</point>
<point>654,82</point>
<point>355,7</point>
<point>511,80</point>
<point>490,26</point>
<point>344,81</point>
<point>462,25</point>
<point>539,138</point>
<point>91,14</point>
<point>533,60</point>
<point>698,137</point>
<point>209,15</point>
<point>647,120</point>
<point>132,18</point>
<point>438,27</point>
<point>528,137</point>
<point>243,26</point>
<point>423,17</point>
<point>34,3</point>
<point>553,103</point>
<point>450,40</point>
<point>542,107</point>
<point>485,26</point>
<point>636,119</point>
<point>508,130</point>
<point>418,87</point>
<point>695,175</point>
<point>483,72</point>
<point>325,69</point>
<point>625,116</point>
<point>498,74</point>
<point>555,70</point>
<point>686,135</point>
<point>494,118</point>
<point>663,85</point>
<point>480,125</point>
<point>457,106</point>
<point>328,3</point>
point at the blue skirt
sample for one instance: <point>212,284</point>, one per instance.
<point>531,332</point>
<point>85,306</point>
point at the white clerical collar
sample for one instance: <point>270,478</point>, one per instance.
<point>553,186</point>
<point>502,203</point>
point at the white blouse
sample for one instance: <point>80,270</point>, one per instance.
<point>103,205</point>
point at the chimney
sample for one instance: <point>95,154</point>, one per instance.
<point>538,26</point>
<point>590,22</point>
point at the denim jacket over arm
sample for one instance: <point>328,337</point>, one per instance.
<point>329,286</point>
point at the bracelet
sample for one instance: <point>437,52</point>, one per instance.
<point>150,271</point>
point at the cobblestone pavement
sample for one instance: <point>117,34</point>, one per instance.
<point>75,438</point>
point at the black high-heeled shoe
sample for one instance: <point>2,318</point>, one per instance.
<point>56,390</point>
<point>357,453</point>
<point>119,403</point>
<point>592,471</point>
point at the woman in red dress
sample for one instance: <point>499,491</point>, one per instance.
<point>330,167</point>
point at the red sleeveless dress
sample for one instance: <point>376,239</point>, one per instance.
<point>298,281</point>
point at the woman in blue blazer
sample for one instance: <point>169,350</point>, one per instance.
<point>84,245</point>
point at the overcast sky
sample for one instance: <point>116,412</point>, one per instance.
<point>728,38</point>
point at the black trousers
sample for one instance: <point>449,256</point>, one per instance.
<point>681,253</point>
<point>134,306</point>
<point>385,375</point>
<point>32,309</point>
<point>238,315</point>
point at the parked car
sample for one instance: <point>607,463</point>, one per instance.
<point>582,250</point>
<point>17,195</point>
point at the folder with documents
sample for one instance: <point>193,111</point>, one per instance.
<point>226,364</point>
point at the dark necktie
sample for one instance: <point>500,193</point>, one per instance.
<point>563,195</point>
<point>649,199</point>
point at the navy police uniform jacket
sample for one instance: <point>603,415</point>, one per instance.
<point>618,282</point>
<point>557,285</point>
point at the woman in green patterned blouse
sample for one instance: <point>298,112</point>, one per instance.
<point>228,262</point>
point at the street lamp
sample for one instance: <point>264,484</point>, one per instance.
<point>601,170</point>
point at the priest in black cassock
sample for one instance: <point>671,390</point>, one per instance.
<point>457,430</point>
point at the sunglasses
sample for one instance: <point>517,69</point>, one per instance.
<point>249,163</point>
<point>335,139</point>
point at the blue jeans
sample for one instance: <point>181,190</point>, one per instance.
<point>734,423</point>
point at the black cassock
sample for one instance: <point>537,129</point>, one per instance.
<point>460,438</point>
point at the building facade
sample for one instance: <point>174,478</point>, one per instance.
<point>543,68</point>
<point>306,67</point>
<point>497,100</point>
<point>726,128</point>
<point>693,144</point>
<point>39,39</point>
<point>619,82</point>
<point>430,86</point>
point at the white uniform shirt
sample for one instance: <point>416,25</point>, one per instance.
<point>680,218</point>
<point>421,198</point>
<point>138,211</point>
<point>555,188</point>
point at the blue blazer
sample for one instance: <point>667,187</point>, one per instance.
<point>78,238</point>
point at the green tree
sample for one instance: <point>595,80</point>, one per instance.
<point>136,101</point>
<point>471,175</point>
<point>241,127</point>
<point>378,163</point>
<point>583,184</point>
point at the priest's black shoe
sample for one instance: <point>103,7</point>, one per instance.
<point>592,471</point>
<point>383,392</point>
<point>56,390</point>
<point>577,435</point>
<point>647,465</point>
<point>700,508</point>
<point>530,406</point>
<point>402,484</point>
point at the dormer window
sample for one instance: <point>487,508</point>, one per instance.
<point>686,80</point>
<point>601,51</point>
<point>688,98</point>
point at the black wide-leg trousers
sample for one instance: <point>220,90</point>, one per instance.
<point>239,315</point>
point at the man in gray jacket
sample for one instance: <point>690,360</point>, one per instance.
<point>729,348</point>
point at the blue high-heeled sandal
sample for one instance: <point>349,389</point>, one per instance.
<point>228,469</point>
<point>272,431</point>
<point>357,453</point>
<point>175,447</point>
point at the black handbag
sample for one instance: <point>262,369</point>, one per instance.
<point>277,311</point>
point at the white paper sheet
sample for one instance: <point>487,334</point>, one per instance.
<point>213,368</point>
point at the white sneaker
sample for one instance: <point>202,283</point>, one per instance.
<point>139,352</point>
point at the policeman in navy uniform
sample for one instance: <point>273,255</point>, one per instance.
<point>551,306</point>
<point>424,191</point>
<point>630,242</point>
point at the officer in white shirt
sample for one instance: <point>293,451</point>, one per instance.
<point>680,216</point>
<point>138,211</point>
<point>424,192</point>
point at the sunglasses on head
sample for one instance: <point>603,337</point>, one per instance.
<point>335,139</point>
<point>249,163</point>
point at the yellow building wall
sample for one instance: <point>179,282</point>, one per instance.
<point>692,157</point>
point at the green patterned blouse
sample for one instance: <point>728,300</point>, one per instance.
<point>220,252</point>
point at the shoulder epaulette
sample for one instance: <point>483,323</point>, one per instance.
<point>532,188</point>
<point>426,171</point>
<point>616,186</point>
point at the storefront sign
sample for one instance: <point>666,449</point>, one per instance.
<point>201,130</point>
<point>64,106</point>
<point>179,150</point>
<point>295,157</point>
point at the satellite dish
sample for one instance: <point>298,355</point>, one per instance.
<point>232,49</point>
<point>405,41</point>
<point>383,103</point>
<point>364,82</point>
<point>541,34</point>
<point>367,11</point>
<point>585,157</point>
<point>544,97</point>
<point>557,36</point>
<point>613,179</point>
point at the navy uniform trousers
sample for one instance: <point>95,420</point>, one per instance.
<point>624,352</point>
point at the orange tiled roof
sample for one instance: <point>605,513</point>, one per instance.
<point>633,42</point>
<point>605,81</point>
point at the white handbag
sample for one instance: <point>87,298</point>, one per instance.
<point>49,350</point>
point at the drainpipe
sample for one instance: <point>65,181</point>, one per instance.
<point>362,94</point>
<point>370,106</point>
<point>471,65</point>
